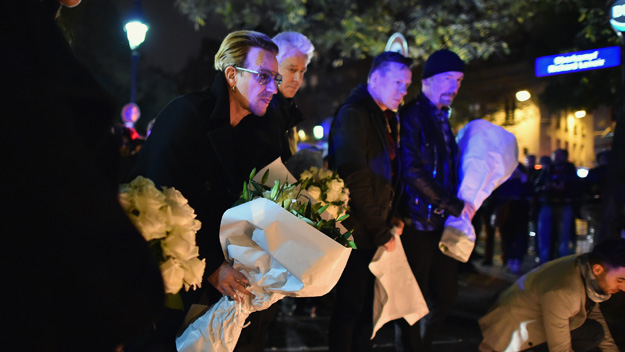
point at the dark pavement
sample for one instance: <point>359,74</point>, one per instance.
<point>479,287</point>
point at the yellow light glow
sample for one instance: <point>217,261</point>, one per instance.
<point>318,132</point>
<point>523,95</point>
<point>580,113</point>
<point>302,135</point>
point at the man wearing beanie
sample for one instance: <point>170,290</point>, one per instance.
<point>429,172</point>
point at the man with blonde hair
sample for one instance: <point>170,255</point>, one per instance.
<point>205,145</point>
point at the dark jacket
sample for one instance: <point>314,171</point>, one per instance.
<point>558,185</point>
<point>429,172</point>
<point>286,107</point>
<point>358,151</point>
<point>193,148</point>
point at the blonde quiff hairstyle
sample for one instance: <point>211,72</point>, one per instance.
<point>234,48</point>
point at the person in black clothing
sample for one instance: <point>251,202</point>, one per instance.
<point>295,54</point>
<point>205,144</point>
<point>557,188</point>
<point>363,149</point>
<point>429,171</point>
<point>79,276</point>
<point>513,216</point>
<point>593,189</point>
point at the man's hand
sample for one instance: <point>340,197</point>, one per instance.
<point>391,244</point>
<point>226,280</point>
<point>398,224</point>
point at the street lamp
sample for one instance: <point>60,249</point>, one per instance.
<point>523,95</point>
<point>135,30</point>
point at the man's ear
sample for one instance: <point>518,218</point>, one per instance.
<point>231,76</point>
<point>597,269</point>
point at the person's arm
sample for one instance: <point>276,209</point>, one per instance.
<point>416,176</point>
<point>557,308</point>
<point>349,137</point>
<point>169,159</point>
<point>608,343</point>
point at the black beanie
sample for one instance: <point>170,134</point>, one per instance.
<point>442,61</point>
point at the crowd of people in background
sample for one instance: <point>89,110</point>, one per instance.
<point>399,160</point>
<point>545,207</point>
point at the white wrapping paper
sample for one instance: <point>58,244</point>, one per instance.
<point>488,156</point>
<point>279,254</point>
<point>397,294</point>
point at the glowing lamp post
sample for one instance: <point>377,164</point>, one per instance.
<point>135,30</point>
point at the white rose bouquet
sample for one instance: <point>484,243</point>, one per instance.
<point>277,238</point>
<point>327,188</point>
<point>168,223</point>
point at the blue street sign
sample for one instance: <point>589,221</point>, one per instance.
<point>578,61</point>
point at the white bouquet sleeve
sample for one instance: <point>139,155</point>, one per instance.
<point>280,255</point>
<point>488,156</point>
<point>396,292</point>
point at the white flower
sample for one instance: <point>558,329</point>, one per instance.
<point>314,192</point>
<point>193,271</point>
<point>147,197</point>
<point>344,197</point>
<point>337,185</point>
<point>333,210</point>
<point>180,244</point>
<point>324,173</point>
<point>166,217</point>
<point>152,223</point>
<point>182,214</point>
<point>306,174</point>
<point>173,275</point>
<point>332,196</point>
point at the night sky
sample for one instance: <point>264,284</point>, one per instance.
<point>171,39</point>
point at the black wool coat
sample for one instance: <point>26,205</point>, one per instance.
<point>194,149</point>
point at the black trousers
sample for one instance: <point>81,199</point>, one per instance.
<point>437,276</point>
<point>586,338</point>
<point>351,323</point>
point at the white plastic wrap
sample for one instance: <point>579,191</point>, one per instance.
<point>279,254</point>
<point>488,156</point>
<point>397,294</point>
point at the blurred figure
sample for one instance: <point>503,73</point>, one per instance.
<point>513,216</point>
<point>295,54</point>
<point>555,307</point>
<point>363,146</point>
<point>530,167</point>
<point>593,188</point>
<point>484,220</point>
<point>557,188</point>
<point>79,276</point>
<point>129,143</point>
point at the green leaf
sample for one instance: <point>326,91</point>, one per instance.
<point>259,188</point>
<point>246,192</point>
<point>341,218</point>
<point>253,173</point>
<point>265,177</point>
<point>322,209</point>
<point>274,190</point>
